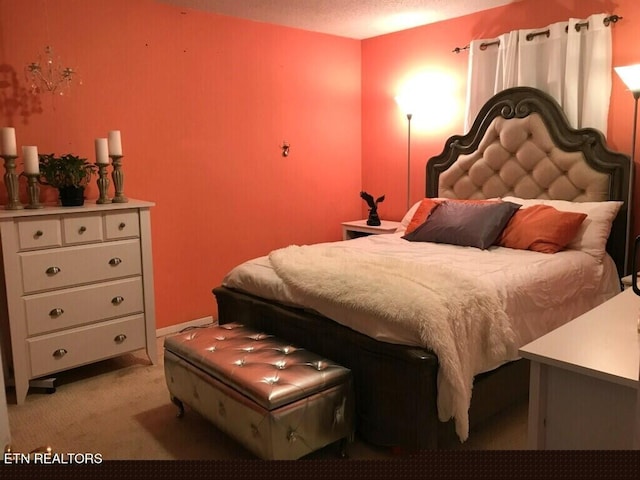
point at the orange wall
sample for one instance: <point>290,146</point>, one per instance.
<point>203,103</point>
<point>389,61</point>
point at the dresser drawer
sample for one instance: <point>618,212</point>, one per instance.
<point>39,233</point>
<point>67,266</point>
<point>72,348</point>
<point>82,229</point>
<point>121,224</point>
<point>51,311</point>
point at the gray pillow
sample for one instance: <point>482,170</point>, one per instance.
<point>468,224</point>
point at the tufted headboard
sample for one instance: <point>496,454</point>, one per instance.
<point>522,145</point>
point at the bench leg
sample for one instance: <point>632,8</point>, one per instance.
<point>176,401</point>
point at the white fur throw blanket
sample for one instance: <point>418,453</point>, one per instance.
<point>454,314</point>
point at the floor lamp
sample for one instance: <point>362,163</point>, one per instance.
<point>402,102</point>
<point>630,75</point>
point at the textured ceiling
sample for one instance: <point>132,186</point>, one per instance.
<point>357,19</point>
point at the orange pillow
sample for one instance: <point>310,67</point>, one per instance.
<point>541,228</point>
<point>420,216</point>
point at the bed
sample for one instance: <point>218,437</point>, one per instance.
<point>415,389</point>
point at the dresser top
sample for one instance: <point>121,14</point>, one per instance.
<point>603,343</point>
<point>89,206</point>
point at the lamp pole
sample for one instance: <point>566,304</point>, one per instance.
<point>636,95</point>
<point>409,115</point>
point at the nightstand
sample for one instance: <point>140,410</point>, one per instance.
<point>359,228</point>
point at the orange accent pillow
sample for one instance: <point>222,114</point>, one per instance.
<point>422,213</point>
<point>428,204</point>
<point>541,228</point>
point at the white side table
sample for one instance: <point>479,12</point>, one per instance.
<point>584,380</point>
<point>359,228</point>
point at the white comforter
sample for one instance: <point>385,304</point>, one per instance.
<point>529,294</point>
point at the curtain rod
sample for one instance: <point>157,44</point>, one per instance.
<point>484,45</point>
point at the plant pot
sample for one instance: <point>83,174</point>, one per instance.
<point>71,196</point>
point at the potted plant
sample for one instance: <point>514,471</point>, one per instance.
<point>69,174</point>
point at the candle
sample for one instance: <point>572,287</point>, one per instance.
<point>31,163</point>
<point>102,151</point>
<point>115,144</point>
<point>8,141</point>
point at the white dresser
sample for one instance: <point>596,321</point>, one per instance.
<point>78,287</point>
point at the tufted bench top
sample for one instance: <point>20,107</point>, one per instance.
<point>266,369</point>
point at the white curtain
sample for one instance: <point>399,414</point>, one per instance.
<point>571,64</point>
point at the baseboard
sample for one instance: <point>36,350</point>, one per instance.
<point>161,332</point>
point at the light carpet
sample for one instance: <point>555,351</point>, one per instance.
<point>121,409</point>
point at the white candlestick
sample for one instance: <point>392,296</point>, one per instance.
<point>30,158</point>
<point>115,143</point>
<point>102,151</point>
<point>8,141</point>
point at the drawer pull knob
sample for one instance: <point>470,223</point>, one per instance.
<point>38,234</point>
<point>121,226</point>
<point>115,261</point>
<point>117,300</point>
<point>82,229</point>
<point>120,338</point>
<point>61,352</point>
<point>53,270</point>
<point>56,312</point>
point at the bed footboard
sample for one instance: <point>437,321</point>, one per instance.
<point>395,386</point>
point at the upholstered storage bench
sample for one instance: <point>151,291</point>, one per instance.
<point>279,401</point>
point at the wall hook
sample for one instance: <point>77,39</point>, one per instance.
<point>285,149</point>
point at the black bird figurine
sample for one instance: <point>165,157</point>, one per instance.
<point>374,219</point>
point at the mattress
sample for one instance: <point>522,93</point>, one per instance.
<point>538,291</point>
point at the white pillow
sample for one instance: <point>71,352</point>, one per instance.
<point>406,220</point>
<point>594,231</point>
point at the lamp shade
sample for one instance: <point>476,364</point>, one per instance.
<point>630,75</point>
